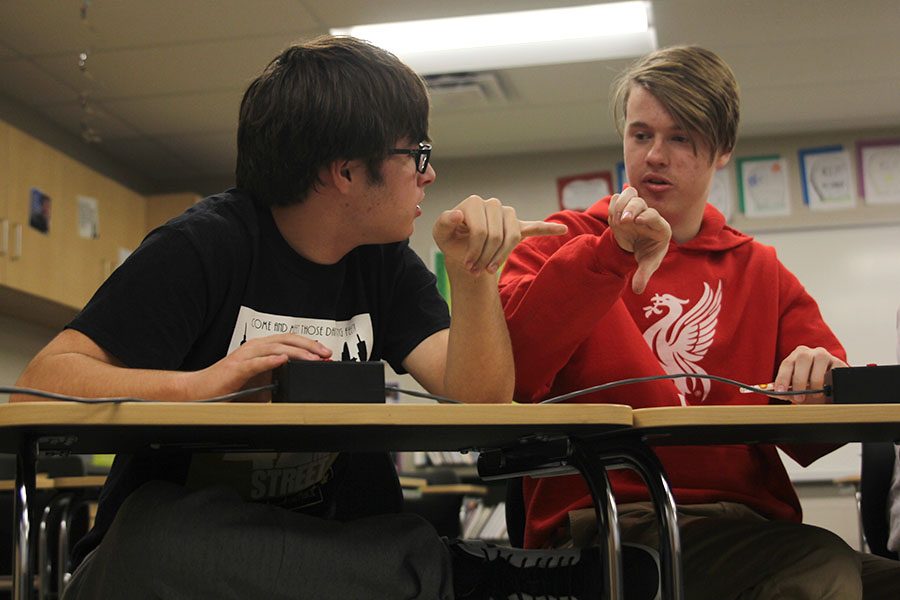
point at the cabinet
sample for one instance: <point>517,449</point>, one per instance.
<point>121,215</point>
<point>58,268</point>
<point>5,183</point>
<point>27,254</point>
<point>46,276</point>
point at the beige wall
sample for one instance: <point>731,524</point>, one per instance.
<point>528,182</point>
<point>19,341</point>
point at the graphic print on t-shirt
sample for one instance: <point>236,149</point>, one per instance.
<point>682,336</point>
<point>292,480</point>
<point>348,340</point>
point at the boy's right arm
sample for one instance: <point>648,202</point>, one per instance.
<point>73,364</point>
<point>640,230</point>
<point>554,294</point>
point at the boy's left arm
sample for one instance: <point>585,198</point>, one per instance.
<point>810,349</point>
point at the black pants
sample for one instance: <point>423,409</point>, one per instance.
<point>170,543</point>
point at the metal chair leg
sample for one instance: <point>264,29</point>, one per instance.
<point>24,496</point>
<point>63,551</point>
<point>53,515</point>
<point>638,457</point>
<point>594,473</point>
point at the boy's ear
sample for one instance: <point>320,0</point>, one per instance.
<point>340,173</point>
<point>722,159</point>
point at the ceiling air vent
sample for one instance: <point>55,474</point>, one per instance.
<point>462,91</point>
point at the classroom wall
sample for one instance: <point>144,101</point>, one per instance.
<point>19,342</point>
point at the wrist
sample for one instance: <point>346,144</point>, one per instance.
<point>460,276</point>
<point>609,256</point>
<point>187,386</point>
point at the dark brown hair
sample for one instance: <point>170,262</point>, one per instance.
<point>327,99</point>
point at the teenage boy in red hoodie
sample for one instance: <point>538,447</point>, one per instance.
<point>652,281</point>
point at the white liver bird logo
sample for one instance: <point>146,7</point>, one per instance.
<point>680,339</point>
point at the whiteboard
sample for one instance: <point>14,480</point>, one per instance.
<point>854,274</point>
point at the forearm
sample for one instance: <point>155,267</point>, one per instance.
<point>479,365</point>
<point>77,374</point>
<point>553,304</point>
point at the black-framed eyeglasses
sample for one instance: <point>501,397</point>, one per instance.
<point>421,155</point>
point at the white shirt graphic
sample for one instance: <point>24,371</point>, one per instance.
<point>680,339</point>
<point>286,478</point>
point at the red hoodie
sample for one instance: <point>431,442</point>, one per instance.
<point>720,304</point>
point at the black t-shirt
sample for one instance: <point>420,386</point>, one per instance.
<point>222,274</point>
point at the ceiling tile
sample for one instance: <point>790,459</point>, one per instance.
<point>757,23</point>
<point>167,76</point>
<point>150,158</point>
<point>556,84</point>
<point>775,110</point>
<point>169,69</point>
<point>7,52</point>
<point>70,117</point>
<point>25,25</point>
<point>26,82</point>
<point>502,131</point>
<point>792,62</point>
<point>43,26</point>
<point>212,154</point>
<point>214,112</point>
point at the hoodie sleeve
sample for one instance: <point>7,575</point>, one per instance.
<point>801,323</point>
<point>554,290</point>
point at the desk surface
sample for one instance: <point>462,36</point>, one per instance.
<point>74,482</point>
<point>87,428</point>
<point>838,423</point>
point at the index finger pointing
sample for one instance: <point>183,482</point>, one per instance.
<point>535,228</point>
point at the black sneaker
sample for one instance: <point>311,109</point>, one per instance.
<point>482,571</point>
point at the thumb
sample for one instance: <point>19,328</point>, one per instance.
<point>640,279</point>
<point>449,219</point>
<point>647,266</point>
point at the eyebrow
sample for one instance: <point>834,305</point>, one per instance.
<point>642,125</point>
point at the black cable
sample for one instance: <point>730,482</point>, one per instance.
<point>612,384</point>
<point>123,399</point>
<point>441,399</point>
<point>223,398</point>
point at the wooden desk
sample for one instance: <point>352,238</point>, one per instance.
<point>770,424</point>
<point>90,428</point>
<point>42,482</point>
<point>683,425</point>
<point>838,423</point>
<point>28,429</point>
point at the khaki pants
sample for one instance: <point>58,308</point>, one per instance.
<point>730,552</point>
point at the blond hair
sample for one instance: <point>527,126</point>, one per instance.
<point>695,86</point>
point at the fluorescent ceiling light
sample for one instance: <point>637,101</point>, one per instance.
<point>516,39</point>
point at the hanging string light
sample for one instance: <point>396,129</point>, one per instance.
<point>88,133</point>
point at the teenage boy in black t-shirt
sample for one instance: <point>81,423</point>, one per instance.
<point>306,259</point>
